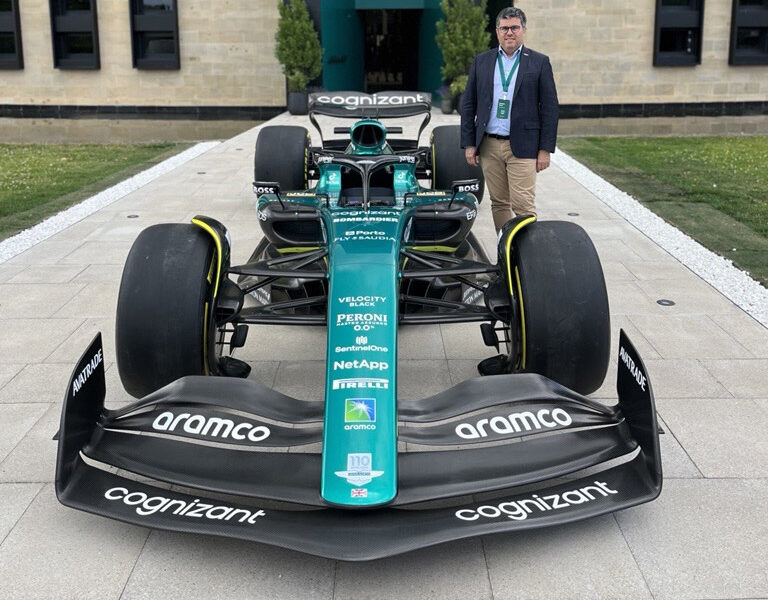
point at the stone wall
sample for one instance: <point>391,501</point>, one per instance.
<point>117,131</point>
<point>653,126</point>
<point>227,59</point>
<point>602,53</point>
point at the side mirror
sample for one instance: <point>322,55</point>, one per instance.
<point>461,186</point>
<point>465,185</point>
<point>266,187</point>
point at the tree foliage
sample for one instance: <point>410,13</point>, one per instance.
<point>298,47</point>
<point>461,35</point>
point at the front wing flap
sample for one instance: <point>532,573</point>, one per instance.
<point>508,443</point>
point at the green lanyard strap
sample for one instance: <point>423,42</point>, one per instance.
<point>505,79</point>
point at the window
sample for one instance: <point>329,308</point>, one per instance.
<point>75,34</point>
<point>155,34</point>
<point>10,36</point>
<point>749,33</point>
<point>677,39</point>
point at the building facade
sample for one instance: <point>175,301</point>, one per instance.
<point>188,59</point>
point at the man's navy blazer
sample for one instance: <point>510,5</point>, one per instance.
<point>534,111</point>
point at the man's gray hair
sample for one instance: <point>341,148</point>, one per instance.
<point>511,13</point>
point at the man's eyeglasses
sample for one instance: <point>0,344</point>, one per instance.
<point>507,29</point>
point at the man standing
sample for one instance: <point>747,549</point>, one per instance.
<point>509,118</point>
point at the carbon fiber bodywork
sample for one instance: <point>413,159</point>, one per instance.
<point>545,455</point>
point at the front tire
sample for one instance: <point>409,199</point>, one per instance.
<point>164,325</point>
<point>448,161</point>
<point>281,155</point>
<point>562,305</point>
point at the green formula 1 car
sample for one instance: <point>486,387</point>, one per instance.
<point>354,243</point>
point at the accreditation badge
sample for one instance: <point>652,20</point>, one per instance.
<point>502,109</point>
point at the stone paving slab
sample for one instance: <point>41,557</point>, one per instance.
<point>8,371</point>
<point>582,560</point>
<point>725,437</point>
<point>742,378</point>
<point>55,552</point>
<point>705,537</point>
<point>234,569</point>
<point>301,379</point>
<point>695,337</point>
<point>741,327</point>
<point>684,378</point>
<point>677,463</point>
<point>691,296</point>
<point>31,459</point>
<point>32,339</point>
<point>99,274</point>
<point>424,342</point>
<point>38,382</point>
<point>71,348</point>
<point>94,300</point>
<point>8,271</point>
<point>452,571</point>
<point>17,420</point>
<point>42,299</point>
<point>47,274</point>
<point>14,500</point>
<point>421,378</point>
<point>49,253</point>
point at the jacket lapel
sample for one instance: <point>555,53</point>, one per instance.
<point>490,70</point>
<point>521,69</point>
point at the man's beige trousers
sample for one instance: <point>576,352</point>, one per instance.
<point>511,181</point>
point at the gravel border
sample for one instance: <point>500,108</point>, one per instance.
<point>719,272</point>
<point>52,225</point>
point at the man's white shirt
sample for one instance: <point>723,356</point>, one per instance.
<point>496,125</point>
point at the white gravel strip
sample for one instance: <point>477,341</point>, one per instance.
<point>53,225</point>
<point>719,272</point>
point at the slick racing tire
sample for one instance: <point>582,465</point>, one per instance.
<point>281,155</point>
<point>448,162</point>
<point>162,328</point>
<point>562,305</point>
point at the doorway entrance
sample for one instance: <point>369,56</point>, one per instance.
<point>391,42</point>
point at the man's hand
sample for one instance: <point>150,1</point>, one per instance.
<point>473,158</point>
<point>542,161</point>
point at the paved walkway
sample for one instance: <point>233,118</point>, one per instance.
<point>705,537</point>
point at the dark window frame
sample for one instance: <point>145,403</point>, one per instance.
<point>154,23</point>
<point>73,22</point>
<point>10,23</point>
<point>747,17</point>
<point>688,17</point>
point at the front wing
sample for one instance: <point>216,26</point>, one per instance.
<point>516,452</point>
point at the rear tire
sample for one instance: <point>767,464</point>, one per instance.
<point>281,155</point>
<point>563,305</point>
<point>161,308</point>
<point>448,161</point>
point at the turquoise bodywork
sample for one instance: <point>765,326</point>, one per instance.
<point>359,438</point>
<point>359,467</point>
<point>379,147</point>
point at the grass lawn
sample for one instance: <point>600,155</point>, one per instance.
<point>715,189</point>
<point>37,181</point>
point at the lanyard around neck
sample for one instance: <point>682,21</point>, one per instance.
<point>505,79</point>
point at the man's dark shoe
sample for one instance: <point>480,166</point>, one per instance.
<point>495,365</point>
